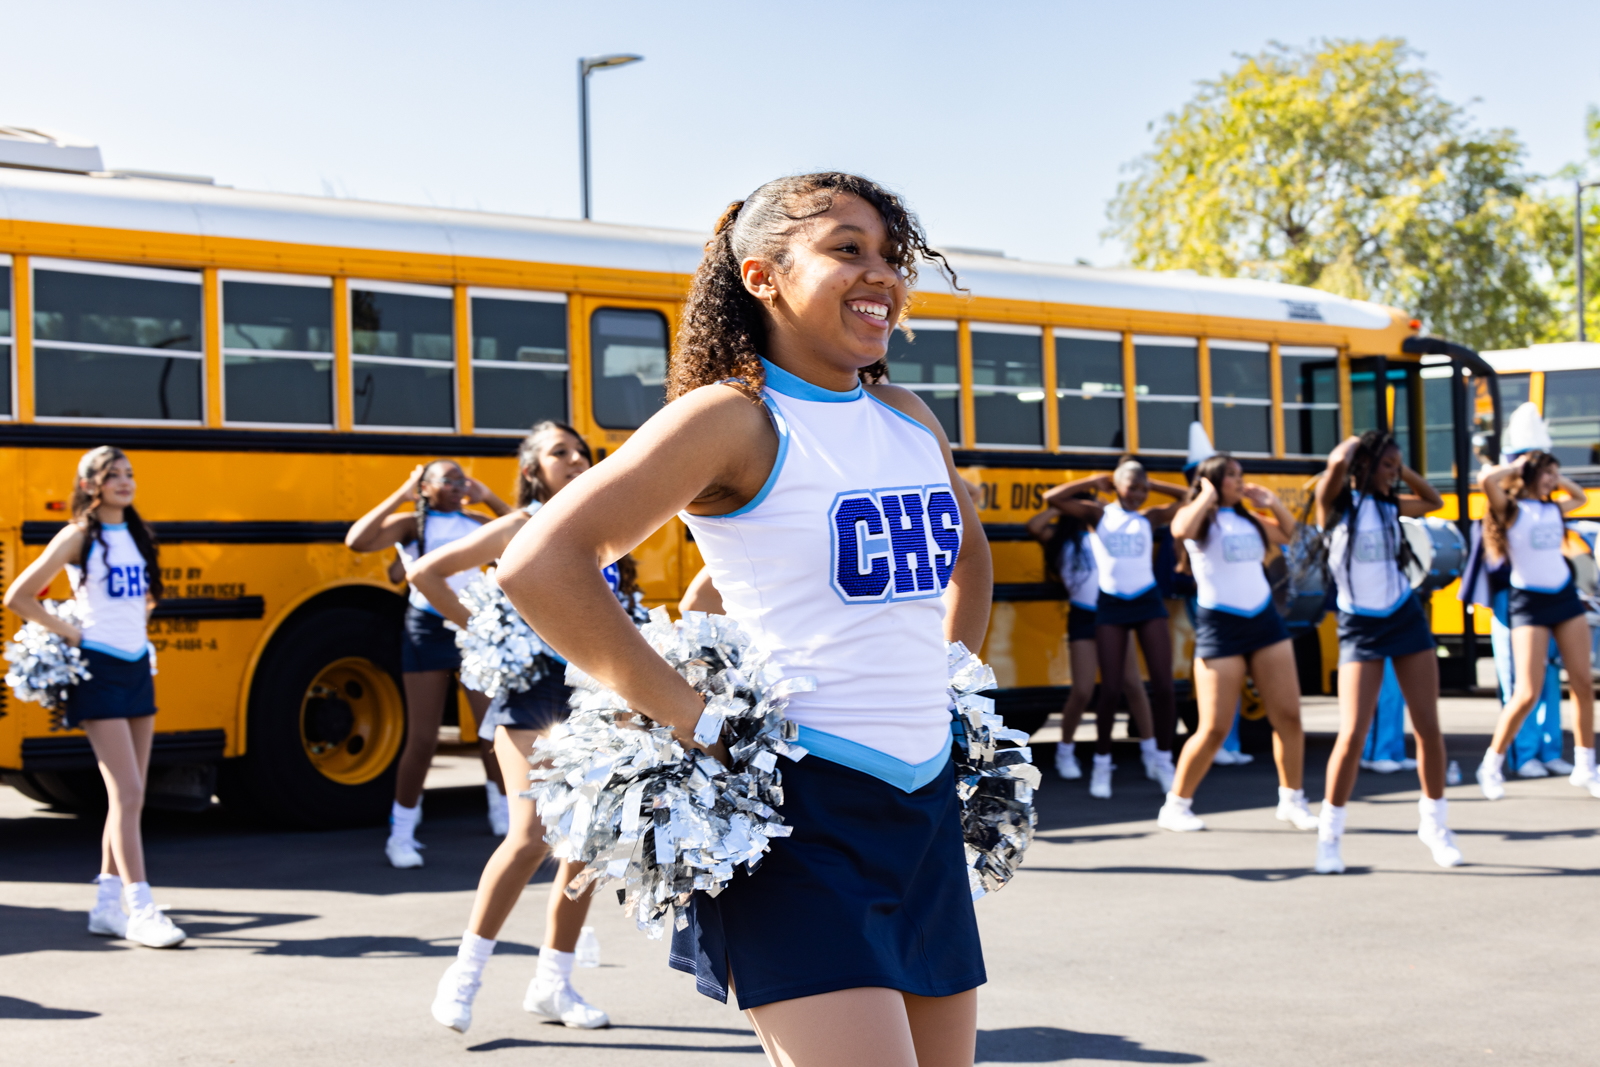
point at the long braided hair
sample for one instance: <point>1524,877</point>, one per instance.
<point>1497,521</point>
<point>93,468</point>
<point>1363,478</point>
<point>422,507</point>
<point>723,331</point>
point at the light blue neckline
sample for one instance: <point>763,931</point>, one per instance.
<point>113,526</point>
<point>116,653</point>
<point>906,777</point>
<point>782,428</point>
<point>781,381</point>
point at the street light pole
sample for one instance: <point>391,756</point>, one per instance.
<point>585,65</point>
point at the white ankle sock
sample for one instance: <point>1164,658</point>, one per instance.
<point>1434,811</point>
<point>1584,758</point>
<point>1147,746</point>
<point>136,895</point>
<point>474,951</point>
<point>1186,803</point>
<point>1065,749</point>
<point>556,965</point>
<point>1286,795</point>
<point>108,889</point>
<point>1330,822</point>
<point>403,820</point>
<point>1102,760</point>
<point>1494,760</point>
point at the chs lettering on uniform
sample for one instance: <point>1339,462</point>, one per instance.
<point>896,543</point>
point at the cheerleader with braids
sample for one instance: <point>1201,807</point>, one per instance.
<point>835,529</point>
<point>428,654</point>
<point>1379,618</point>
<point>111,559</point>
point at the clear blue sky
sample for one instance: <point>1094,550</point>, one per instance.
<point>1005,124</point>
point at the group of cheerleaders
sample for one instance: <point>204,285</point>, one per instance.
<point>779,408</point>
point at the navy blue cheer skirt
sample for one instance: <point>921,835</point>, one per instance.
<point>542,706</point>
<point>1126,611</point>
<point>870,890</point>
<point>1528,607</point>
<point>1218,634</point>
<point>1081,623</point>
<point>426,645</point>
<point>116,689</point>
<point>1402,632</point>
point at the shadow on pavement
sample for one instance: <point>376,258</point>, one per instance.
<point>500,1044</point>
<point>16,1008</point>
<point>1049,1044</point>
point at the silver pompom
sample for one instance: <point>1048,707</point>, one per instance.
<point>619,794</point>
<point>44,667</point>
<point>500,653</point>
<point>995,783</point>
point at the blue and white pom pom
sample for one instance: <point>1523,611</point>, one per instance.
<point>500,653</point>
<point>44,667</point>
<point>620,795</point>
<point>995,777</point>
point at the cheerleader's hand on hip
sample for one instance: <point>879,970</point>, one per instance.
<point>71,633</point>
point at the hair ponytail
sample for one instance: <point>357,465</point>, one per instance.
<point>85,510</point>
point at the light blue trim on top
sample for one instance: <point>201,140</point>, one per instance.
<point>1541,589</point>
<point>116,653</point>
<point>781,381</point>
<point>782,427</point>
<point>907,777</point>
<point>908,418</point>
<point>113,526</point>
<point>1086,607</point>
<point>1243,613</point>
<point>1128,596</point>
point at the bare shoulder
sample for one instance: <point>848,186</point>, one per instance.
<point>719,410</point>
<point>909,404</point>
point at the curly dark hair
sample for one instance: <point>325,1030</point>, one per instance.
<point>1520,486</point>
<point>723,330</point>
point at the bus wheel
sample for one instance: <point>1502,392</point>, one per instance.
<point>326,725</point>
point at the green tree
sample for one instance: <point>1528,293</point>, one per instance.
<point>1339,166</point>
<point>1560,244</point>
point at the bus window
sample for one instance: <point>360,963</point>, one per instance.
<point>1513,392</point>
<point>930,367</point>
<point>1167,373</point>
<point>1396,397</point>
<point>116,342</point>
<point>519,359</point>
<point>1241,396</point>
<point>292,319</point>
<point>1572,410</point>
<point>1008,385</point>
<point>1310,400</point>
<point>1439,422</point>
<point>402,357</point>
<point>628,365</point>
<point>5,334</point>
<point>1089,389</point>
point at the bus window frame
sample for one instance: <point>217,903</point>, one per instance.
<point>1014,329</point>
<point>529,296</point>
<point>10,338</point>
<point>1208,386</point>
<point>1120,395</point>
<point>171,275</point>
<point>307,281</point>
<point>1341,370</point>
<point>1167,340</point>
<point>432,292</point>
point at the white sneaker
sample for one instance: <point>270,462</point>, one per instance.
<point>1441,841</point>
<point>452,1004</point>
<point>1240,759</point>
<point>1382,766</point>
<point>1100,780</point>
<point>403,853</point>
<point>1067,765</point>
<point>1532,769</point>
<point>1329,861</point>
<point>499,812</point>
<point>1295,811</point>
<point>1558,766</point>
<point>108,920</point>
<point>1165,771</point>
<point>559,1001</point>
<point>1224,758</point>
<point>1491,781</point>
<point>1408,764</point>
<point>150,927</point>
<point>1585,780</point>
<point>1178,818</point>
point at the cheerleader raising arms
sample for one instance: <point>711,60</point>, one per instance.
<point>1379,618</point>
<point>428,655</point>
<point>111,559</point>
<point>1526,526</point>
<point>829,512</point>
<point>1237,631</point>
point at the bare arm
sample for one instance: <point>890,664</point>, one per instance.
<point>428,575</point>
<point>1576,497</point>
<point>1039,525</point>
<point>381,527</point>
<point>702,595</point>
<point>1189,518</point>
<point>1282,524</point>
<point>1493,480</point>
<point>1162,515</point>
<point>1333,479</point>
<point>1063,497</point>
<point>22,598</point>
<point>1427,498</point>
<point>479,493</point>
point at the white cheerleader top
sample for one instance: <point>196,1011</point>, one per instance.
<point>111,596</point>
<point>838,566</point>
<point>1080,573</point>
<point>1227,565</point>
<point>1534,545</point>
<point>1371,584</point>
<point>441,528</point>
<point>1122,540</point>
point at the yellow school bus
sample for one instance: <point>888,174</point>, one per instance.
<point>275,364</point>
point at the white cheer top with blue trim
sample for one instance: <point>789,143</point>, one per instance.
<point>441,528</point>
<point>838,566</point>
<point>111,596</point>
<point>1534,544</point>
<point>1372,583</point>
<point>1227,566</point>
<point>1080,574</point>
<point>1122,541</point>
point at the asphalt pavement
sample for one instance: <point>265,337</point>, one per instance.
<point>1118,942</point>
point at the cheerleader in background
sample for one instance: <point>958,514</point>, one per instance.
<point>550,457</point>
<point>1525,526</point>
<point>111,560</point>
<point>1069,559</point>
<point>428,654</point>
<point>1123,541</point>
<point>1379,618</point>
<point>1237,631</point>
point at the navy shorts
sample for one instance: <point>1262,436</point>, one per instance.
<point>542,706</point>
<point>1119,611</point>
<point>426,644</point>
<point>1526,607</point>
<point>116,689</point>
<point>1218,634</point>
<point>1080,623</point>
<point>870,890</point>
<point>1402,632</point>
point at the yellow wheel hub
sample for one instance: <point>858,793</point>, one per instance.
<point>352,721</point>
